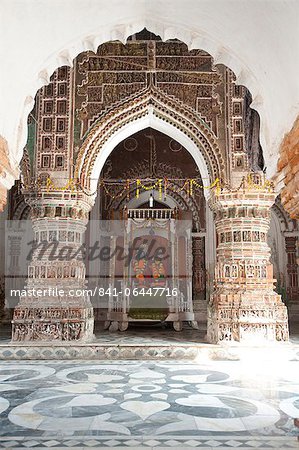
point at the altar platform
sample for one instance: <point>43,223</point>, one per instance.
<point>147,342</point>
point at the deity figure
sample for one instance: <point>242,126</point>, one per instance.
<point>250,271</point>
<point>42,272</point>
<point>234,273</point>
<point>227,271</point>
<point>50,272</point>
<point>263,272</point>
<point>246,236</point>
<point>158,272</point>
<point>75,330</point>
<point>237,236</point>
<point>241,271</point>
<point>259,271</point>
<point>140,263</point>
<point>255,236</point>
<point>228,237</point>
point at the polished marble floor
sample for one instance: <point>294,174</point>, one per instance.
<point>149,404</point>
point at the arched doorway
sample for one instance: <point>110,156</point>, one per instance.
<point>164,86</point>
<point>153,155</point>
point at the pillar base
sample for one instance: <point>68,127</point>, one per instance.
<point>52,323</point>
<point>254,318</point>
<point>200,310</point>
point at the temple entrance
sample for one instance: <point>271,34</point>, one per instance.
<point>130,125</point>
<point>147,203</point>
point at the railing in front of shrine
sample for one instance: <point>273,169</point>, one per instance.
<point>151,213</point>
<point>121,302</point>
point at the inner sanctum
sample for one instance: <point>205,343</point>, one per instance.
<point>143,186</point>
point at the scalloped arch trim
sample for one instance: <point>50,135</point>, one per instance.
<point>154,103</point>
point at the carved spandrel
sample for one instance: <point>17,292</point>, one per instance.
<point>192,63</point>
<point>121,72</point>
<point>116,63</point>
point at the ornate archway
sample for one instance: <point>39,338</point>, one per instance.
<point>123,115</point>
<point>155,109</point>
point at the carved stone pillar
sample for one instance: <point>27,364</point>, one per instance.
<point>199,278</point>
<point>291,243</point>
<point>292,268</point>
<point>244,306</point>
<point>58,307</point>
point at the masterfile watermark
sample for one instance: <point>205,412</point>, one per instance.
<point>140,248</point>
<point>108,262</point>
<point>98,291</point>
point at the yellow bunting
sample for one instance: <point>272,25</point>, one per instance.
<point>267,185</point>
<point>70,185</point>
<point>216,184</point>
<point>185,184</point>
<point>149,188</point>
<point>161,185</point>
<point>160,189</point>
<point>138,188</point>
<point>191,187</point>
<point>218,188</point>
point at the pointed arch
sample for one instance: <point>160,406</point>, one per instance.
<point>150,108</point>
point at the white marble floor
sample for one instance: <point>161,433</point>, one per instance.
<point>150,404</point>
